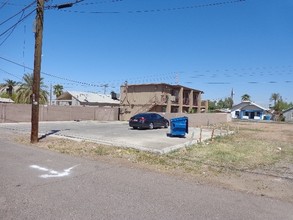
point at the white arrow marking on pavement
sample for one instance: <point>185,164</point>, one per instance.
<point>53,173</point>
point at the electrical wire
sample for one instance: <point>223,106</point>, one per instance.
<point>12,4</point>
<point>11,31</point>
<point>188,7</point>
<point>3,4</point>
<point>244,72</point>
<point>144,79</point>
<point>159,78</point>
<point>65,5</point>
<point>10,74</point>
<point>21,11</point>
<point>101,2</point>
<point>13,26</point>
<point>160,10</point>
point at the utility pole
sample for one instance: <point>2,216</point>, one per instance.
<point>37,71</point>
<point>105,87</point>
<point>37,65</point>
<point>51,94</point>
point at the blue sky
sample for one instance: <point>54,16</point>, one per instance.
<point>211,45</point>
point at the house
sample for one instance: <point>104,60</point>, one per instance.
<point>8,91</point>
<point>288,114</point>
<point>160,97</point>
<point>86,99</point>
<point>249,110</point>
<point>6,100</point>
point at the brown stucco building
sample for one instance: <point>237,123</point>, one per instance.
<point>159,98</point>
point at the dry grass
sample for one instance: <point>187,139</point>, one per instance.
<point>255,146</point>
<point>254,155</point>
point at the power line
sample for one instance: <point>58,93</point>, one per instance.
<point>244,72</point>
<point>64,5</point>
<point>101,2</point>
<point>150,78</point>
<point>11,31</point>
<point>249,82</point>
<point>51,75</point>
<point>160,10</point>
<point>135,79</point>
<point>188,7</point>
<point>10,74</point>
<point>11,4</point>
<point>3,4</point>
<point>21,11</point>
<point>13,26</point>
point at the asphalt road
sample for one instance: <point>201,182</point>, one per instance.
<point>40,184</point>
<point>115,133</point>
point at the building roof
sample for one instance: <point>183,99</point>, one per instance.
<point>88,97</point>
<point>245,104</point>
<point>287,110</point>
<point>4,89</point>
<point>6,100</point>
<point>165,84</point>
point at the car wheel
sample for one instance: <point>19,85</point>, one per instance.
<point>151,126</point>
<point>134,127</point>
<point>166,124</point>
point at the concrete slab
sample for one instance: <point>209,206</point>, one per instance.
<point>116,134</point>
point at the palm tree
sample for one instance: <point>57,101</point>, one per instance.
<point>245,97</point>
<point>9,85</point>
<point>275,97</point>
<point>58,90</point>
<point>24,92</point>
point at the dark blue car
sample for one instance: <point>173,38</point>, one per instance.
<point>148,120</point>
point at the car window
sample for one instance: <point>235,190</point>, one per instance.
<point>148,116</point>
<point>139,116</point>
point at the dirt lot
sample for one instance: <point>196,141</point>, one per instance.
<point>257,159</point>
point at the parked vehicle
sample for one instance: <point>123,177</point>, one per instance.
<point>148,120</point>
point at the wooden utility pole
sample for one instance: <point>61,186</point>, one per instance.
<point>37,71</point>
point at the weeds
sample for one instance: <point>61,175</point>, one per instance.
<point>249,148</point>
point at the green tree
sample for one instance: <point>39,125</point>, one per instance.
<point>24,92</point>
<point>275,97</point>
<point>229,102</point>
<point>212,105</point>
<point>58,90</point>
<point>9,85</point>
<point>226,103</point>
<point>282,105</point>
<point>221,104</point>
<point>245,97</point>
<point>5,95</point>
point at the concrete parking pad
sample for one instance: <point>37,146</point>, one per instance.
<point>117,134</point>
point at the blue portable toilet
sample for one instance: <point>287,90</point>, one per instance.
<point>179,126</point>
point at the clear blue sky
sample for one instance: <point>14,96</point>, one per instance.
<point>245,45</point>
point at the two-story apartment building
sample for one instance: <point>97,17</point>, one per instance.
<point>160,97</point>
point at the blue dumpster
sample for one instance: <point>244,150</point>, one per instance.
<point>179,126</point>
